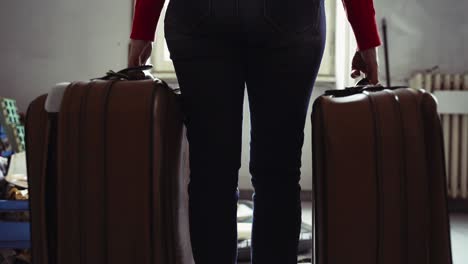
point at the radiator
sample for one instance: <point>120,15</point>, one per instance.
<point>451,91</point>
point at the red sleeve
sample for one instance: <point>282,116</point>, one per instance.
<point>361,15</point>
<point>146,18</point>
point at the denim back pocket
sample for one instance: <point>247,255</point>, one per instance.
<point>292,16</point>
<point>188,14</point>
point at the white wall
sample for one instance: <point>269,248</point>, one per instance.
<point>49,41</point>
<point>425,33</point>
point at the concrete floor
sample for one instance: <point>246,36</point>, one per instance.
<point>459,233</point>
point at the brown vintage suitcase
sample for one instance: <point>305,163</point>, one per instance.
<point>379,178</point>
<point>108,173</point>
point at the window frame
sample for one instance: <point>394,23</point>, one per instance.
<point>331,64</point>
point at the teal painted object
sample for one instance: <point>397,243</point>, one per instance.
<point>9,111</point>
<point>11,124</point>
<point>17,138</point>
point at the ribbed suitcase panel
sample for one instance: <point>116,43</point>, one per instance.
<point>68,177</point>
<point>114,181</point>
<point>94,226</point>
<point>36,155</point>
<point>390,176</point>
<point>439,240</point>
<point>349,182</point>
<point>416,176</point>
<point>129,173</point>
<point>379,180</point>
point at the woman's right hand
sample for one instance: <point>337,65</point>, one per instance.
<point>140,52</point>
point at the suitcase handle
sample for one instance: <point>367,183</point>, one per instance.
<point>130,74</point>
<point>134,74</point>
<point>362,86</point>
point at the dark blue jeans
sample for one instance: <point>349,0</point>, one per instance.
<point>220,47</point>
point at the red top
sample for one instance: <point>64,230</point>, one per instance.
<point>361,15</point>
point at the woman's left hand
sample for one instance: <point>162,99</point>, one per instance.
<point>140,52</point>
<point>366,62</point>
